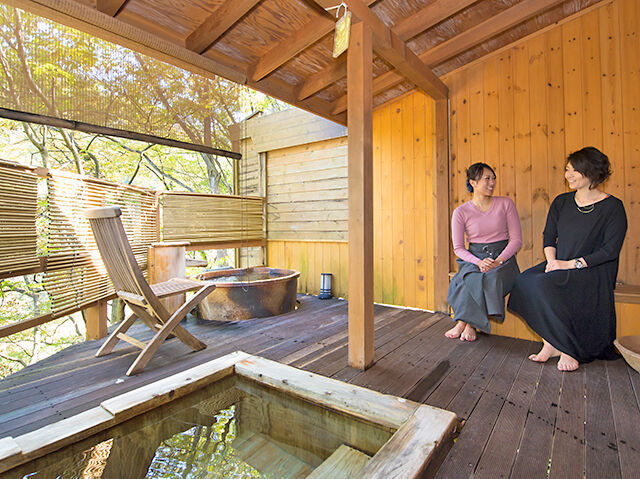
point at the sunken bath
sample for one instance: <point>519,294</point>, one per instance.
<point>249,293</point>
<point>244,415</point>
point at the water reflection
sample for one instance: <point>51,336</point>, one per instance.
<point>232,429</point>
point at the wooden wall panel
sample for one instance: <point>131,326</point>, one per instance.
<point>307,192</point>
<point>403,155</point>
<point>311,258</point>
<point>403,152</point>
<point>525,108</point>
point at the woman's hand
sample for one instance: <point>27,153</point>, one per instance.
<point>556,264</point>
<point>487,264</point>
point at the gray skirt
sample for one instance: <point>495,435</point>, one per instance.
<point>473,295</point>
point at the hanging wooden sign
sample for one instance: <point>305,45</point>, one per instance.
<point>341,34</point>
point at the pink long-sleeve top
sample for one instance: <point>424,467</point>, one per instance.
<point>500,222</point>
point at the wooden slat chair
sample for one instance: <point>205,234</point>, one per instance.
<point>142,298</point>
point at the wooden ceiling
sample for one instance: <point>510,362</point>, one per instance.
<point>284,47</point>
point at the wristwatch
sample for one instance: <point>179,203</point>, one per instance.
<point>579,264</point>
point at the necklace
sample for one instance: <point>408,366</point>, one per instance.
<point>586,209</point>
<point>481,208</point>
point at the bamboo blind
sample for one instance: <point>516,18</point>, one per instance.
<point>116,99</point>
<point>76,276</point>
<point>18,204</point>
<point>200,218</point>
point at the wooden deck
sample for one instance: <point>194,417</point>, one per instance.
<point>520,419</point>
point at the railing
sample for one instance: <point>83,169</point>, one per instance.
<point>213,221</point>
<point>74,277</point>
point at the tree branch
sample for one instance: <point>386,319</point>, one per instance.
<point>16,360</point>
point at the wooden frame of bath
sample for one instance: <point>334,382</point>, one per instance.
<point>421,430</point>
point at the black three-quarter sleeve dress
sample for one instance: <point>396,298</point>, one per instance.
<point>574,310</point>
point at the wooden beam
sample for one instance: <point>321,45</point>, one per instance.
<point>406,29</point>
<point>108,131</point>
<point>96,320</point>
<point>332,72</point>
<point>360,173</point>
<point>322,79</point>
<point>392,49</point>
<point>441,204</point>
<point>432,14</point>
<point>110,7</point>
<point>466,40</point>
<point>216,24</point>
<point>381,84</point>
<point>491,27</point>
<point>291,46</point>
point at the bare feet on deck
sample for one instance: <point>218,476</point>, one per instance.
<point>567,363</point>
<point>469,333</point>
<point>457,330</point>
<point>545,353</point>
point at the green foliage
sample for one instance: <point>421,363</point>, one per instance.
<point>50,69</point>
<point>203,451</point>
<point>47,68</point>
<point>24,297</point>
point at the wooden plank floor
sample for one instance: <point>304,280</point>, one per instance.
<point>520,419</point>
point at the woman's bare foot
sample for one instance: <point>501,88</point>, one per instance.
<point>567,363</point>
<point>469,333</point>
<point>545,353</point>
<point>456,331</point>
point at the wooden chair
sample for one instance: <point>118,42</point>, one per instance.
<point>142,298</point>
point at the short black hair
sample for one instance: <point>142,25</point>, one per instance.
<point>474,172</point>
<point>592,163</point>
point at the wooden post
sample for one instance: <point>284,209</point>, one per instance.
<point>156,208</point>
<point>96,320</point>
<point>360,172</point>
<point>167,260</point>
<point>441,206</point>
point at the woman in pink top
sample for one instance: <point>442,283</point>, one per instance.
<point>487,268</point>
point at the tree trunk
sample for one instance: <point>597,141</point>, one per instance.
<point>117,310</point>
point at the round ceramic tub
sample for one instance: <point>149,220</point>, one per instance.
<point>249,293</point>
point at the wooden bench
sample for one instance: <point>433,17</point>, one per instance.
<point>628,293</point>
<point>627,312</point>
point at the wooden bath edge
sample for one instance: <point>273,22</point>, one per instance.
<point>419,430</point>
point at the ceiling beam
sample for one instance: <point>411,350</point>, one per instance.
<point>392,49</point>
<point>407,28</point>
<point>428,16</point>
<point>110,7</point>
<point>288,48</point>
<point>298,41</point>
<point>322,79</point>
<point>470,38</point>
<point>216,24</point>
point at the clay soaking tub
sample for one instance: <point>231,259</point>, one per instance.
<point>249,293</point>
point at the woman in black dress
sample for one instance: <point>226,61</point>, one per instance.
<point>568,300</point>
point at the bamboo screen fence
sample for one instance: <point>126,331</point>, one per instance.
<point>18,209</point>
<point>75,275</point>
<point>210,219</point>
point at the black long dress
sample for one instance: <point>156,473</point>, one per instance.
<point>574,310</point>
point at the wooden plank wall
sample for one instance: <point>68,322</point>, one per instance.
<point>311,258</point>
<point>403,156</point>
<point>307,192</point>
<point>524,109</point>
<point>306,197</point>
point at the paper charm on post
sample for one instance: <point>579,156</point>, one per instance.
<point>341,35</point>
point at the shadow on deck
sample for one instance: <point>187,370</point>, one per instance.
<point>521,419</point>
